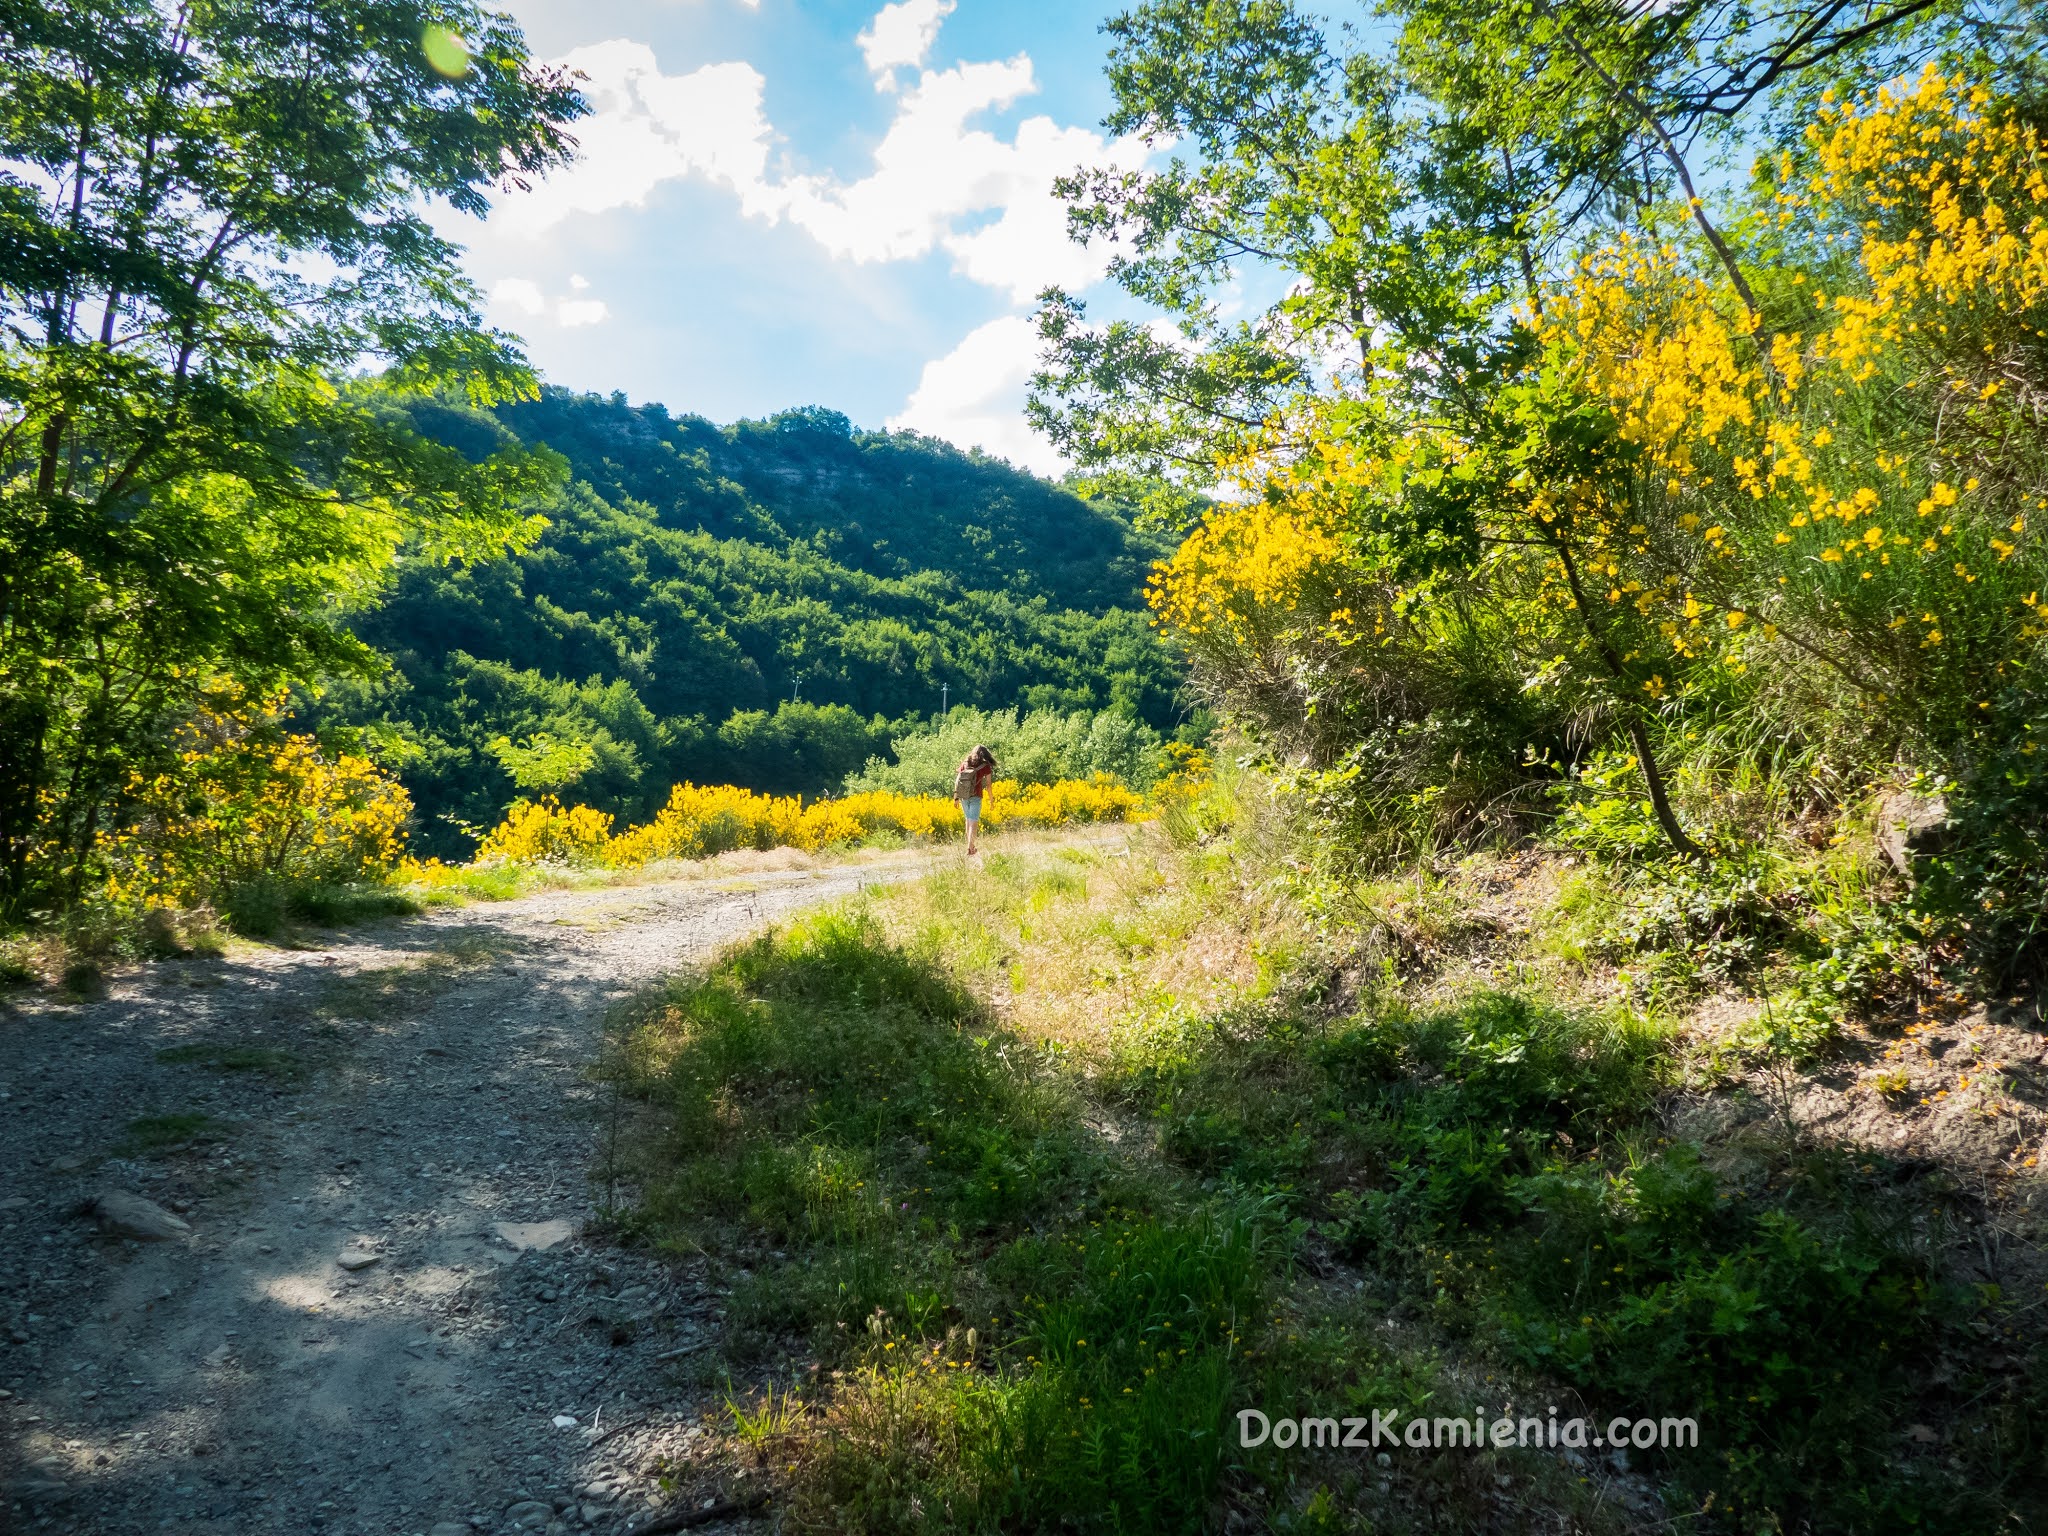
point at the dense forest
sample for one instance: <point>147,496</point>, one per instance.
<point>765,604</point>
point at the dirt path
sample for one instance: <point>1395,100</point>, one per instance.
<point>412,1092</point>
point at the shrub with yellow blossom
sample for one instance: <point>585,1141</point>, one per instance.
<point>702,820</point>
<point>542,832</point>
<point>1814,527</point>
<point>249,800</point>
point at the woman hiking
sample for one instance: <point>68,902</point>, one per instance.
<point>970,782</point>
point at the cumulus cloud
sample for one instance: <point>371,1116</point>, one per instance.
<point>930,169</point>
<point>901,35</point>
<point>520,293</point>
<point>524,295</point>
<point>936,183</point>
<point>646,128</point>
<point>974,395</point>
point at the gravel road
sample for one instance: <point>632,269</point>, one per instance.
<point>386,1317</point>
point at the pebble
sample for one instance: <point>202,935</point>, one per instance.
<point>564,1421</point>
<point>530,1515</point>
<point>449,1528</point>
<point>538,1236</point>
<point>132,1216</point>
<point>355,1258</point>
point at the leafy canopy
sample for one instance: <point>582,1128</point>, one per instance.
<point>212,218</point>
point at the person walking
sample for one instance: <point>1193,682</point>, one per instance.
<point>970,782</point>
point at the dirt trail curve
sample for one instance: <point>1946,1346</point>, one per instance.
<point>409,1099</point>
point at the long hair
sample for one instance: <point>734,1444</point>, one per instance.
<point>980,757</point>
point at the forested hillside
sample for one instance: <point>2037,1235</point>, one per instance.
<point>762,604</point>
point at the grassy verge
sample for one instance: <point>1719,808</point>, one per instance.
<point>1050,1169</point>
<point>995,1287</point>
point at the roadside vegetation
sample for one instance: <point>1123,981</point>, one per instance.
<point>1028,1178</point>
<point>259,829</point>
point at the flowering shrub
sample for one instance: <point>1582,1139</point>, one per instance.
<point>1053,805</point>
<point>247,801</point>
<point>541,832</point>
<point>702,820</point>
<point>1718,537</point>
<point>1856,490</point>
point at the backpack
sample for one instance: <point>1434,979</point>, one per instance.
<point>964,782</point>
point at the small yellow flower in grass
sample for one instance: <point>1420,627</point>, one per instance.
<point>1737,618</point>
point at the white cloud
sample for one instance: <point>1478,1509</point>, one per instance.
<point>936,182</point>
<point>974,395</point>
<point>1026,247</point>
<point>520,293</point>
<point>646,128</point>
<point>930,169</point>
<point>901,35</point>
<point>524,295</point>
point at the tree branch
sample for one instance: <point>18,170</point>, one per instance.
<point>1632,719</point>
<point>1627,98</point>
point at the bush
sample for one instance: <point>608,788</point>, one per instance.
<point>1985,895</point>
<point>702,820</point>
<point>1723,559</point>
<point>1042,747</point>
<point>251,810</point>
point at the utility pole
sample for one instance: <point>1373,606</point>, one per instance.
<point>794,683</point>
<point>944,690</point>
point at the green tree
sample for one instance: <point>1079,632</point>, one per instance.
<point>212,220</point>
<point>694,577</point>
<point>1410,204</point>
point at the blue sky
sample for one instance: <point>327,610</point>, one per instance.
<point>796,202</point>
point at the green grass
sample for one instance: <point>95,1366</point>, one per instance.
<point>492,882</point>
<point>154,1135</point>
<point>264,907</point>
<point>1521,1195</point>
<point>1052,1250</point>
<point>220,1056</point>
<point>953,1234</point>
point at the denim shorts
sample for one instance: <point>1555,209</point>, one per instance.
<point>971,807</point>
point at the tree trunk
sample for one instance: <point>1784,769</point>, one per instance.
<point>23,726</point>
<point>1638,733</point>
